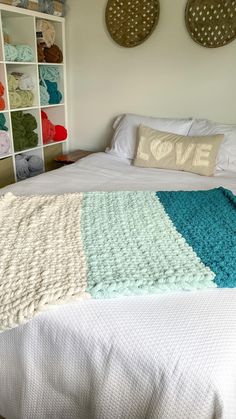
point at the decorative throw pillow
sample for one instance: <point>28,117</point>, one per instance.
<point>226,159</point>
<point>177,152</point>
<point>124,140</point>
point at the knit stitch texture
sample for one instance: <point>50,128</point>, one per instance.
<point>207,220</point>
<point>58,248</point>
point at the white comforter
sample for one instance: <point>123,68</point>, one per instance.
<point>164,357</point>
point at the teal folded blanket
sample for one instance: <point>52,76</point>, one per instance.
<point>147,242</point>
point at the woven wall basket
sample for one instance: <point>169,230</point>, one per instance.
<point>131,22</point>
<point>211,23</point>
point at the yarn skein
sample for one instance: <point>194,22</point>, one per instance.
<point>40,49</point>
<point>45,32</point>
<point>23,126</point>
<point>35,165</point>
<point>27,98</point>
<point>50,73</point>
<point>54,93</point>
<point>24,53</point>
<point>48,131</point>
<point>1,89</point>
<point>15,100</point>
<point>2,101</point>
<point>44,95</point>
<point>5,144</point>
<point>52,132</point>
<point>13,83</point>
<point>2,104</point>
<point>26,82</point>
<point>53,54</point>
<point>3,127</point>
<point>22,169</point>
<point>28,166</point>
<point>60,133</point>
<point>10,52</point>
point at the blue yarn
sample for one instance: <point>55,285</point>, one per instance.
<point>44,96</point>
<point>24,53</point>
<point>54,93</point>
<point>46,6</point>
<point>10,52</point>
<point>49,72</point>
<point>207,220</point>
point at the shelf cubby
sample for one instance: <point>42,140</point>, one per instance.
<point>49,155</point>
<point>7,174</point>
<point>18,27</point>
<point>60,82</point>
<point>8,152</point>
<point>30,70</point>
<point>4,82</point>
<point>58,38</point>
<point>27,155</point>
<point>28,142</point>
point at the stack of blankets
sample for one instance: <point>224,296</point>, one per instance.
<point>51,7</point>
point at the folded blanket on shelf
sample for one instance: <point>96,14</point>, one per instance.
<point>52,7</point>
<point>107,244</point>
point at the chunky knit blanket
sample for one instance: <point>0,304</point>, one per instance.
<point>103,244</point>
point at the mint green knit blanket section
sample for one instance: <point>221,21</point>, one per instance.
<point>132,247</point>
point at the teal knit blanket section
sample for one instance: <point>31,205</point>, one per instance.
<point>207,221</point>
<point>132,247</point>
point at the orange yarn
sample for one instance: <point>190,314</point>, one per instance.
<point>2,104</point>
<point>1,89</point>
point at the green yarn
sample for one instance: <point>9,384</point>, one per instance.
<point>13,83</point>
<point>10,52</point>
<point>31,140</point>
<point>24,53</point>
<point>21,99</point>
<point>29,122</point>
<point>23,126</point>
<point>3,127</point>
<point>27,98</point>
<point>15,100</point>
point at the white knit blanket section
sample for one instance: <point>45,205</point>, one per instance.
<point>42,259</point>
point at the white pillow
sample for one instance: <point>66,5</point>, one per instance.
<point>124,140</point>
<point>226,159</point>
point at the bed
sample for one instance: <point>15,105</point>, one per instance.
<point>168,356</point>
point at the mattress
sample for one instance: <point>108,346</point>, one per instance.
<point>168,356</point>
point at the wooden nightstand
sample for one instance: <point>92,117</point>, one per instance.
<point>72,157</point>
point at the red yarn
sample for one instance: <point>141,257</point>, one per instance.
<point>60,133</point>
<point>44,115</point>
<point>2,104</point>
<point>1,89</point>
<point>52,132</point>
<point>48,131</point>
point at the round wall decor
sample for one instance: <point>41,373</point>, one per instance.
<point>211,23</point>
<point>131,22</point>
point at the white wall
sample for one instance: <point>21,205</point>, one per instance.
<point>168,75</point>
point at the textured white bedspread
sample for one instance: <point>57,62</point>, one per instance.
<point>164,357</point>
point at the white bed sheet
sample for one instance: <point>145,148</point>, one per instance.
<point>164,357</point>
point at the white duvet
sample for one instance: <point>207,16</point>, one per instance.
<point>164,357</point>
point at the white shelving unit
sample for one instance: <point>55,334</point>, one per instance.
<point>20,24</point>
